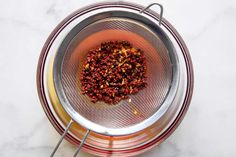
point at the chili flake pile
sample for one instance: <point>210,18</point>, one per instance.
<point>113,71</point>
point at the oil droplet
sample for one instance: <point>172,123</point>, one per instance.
<point>129,100</point>
<point>135,112</point>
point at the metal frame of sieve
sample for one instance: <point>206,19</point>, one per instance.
<point>91,126</point>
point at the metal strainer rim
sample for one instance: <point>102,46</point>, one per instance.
<point>110,131</point>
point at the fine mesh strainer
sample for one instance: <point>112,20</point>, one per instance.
<point>142,109</point>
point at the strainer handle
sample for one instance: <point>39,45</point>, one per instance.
<point>62,137</point>
<point>150,5</point>
<point>81,143</point>
<point>64,134</point>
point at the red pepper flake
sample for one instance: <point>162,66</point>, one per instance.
<point>113,71</point>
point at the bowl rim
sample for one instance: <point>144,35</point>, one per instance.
<point>60,128</point>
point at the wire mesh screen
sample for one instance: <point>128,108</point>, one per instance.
<point>145,102</point>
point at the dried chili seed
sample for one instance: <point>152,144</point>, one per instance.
<point>113,71</point>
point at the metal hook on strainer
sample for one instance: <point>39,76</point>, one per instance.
<point>161,12</point>
<point>152,103</point>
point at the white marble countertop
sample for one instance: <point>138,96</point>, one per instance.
<point>208,28</point>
